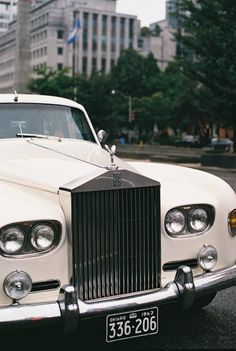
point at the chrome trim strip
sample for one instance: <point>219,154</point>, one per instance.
<point>184,289</point>
<point>168,294</point>
<point>45,312</point>
<point>67,311</point>
<point>215,281</point>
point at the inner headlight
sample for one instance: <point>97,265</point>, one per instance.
<point>11,239</point>
<point>198,219</point>
<point>191,220</point>
<point>42,237</point>
<point>175,222</point>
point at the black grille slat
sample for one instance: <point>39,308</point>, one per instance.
<point>117,240</point>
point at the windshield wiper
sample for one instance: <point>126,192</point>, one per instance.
<point>28,135</point>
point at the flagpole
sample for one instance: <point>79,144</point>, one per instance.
<point>73,61</point>
<point>72,40</point>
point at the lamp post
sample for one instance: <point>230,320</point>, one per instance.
<point>130,113</point>
<point>129,98</point>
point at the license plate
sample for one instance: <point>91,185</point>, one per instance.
<point>131,324</point>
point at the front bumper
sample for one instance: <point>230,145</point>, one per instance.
<point>68,310</point>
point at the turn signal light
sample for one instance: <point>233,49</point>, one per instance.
<point>232,222</point>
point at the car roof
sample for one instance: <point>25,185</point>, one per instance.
<point>38,99</point>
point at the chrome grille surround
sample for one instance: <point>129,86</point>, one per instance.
<point>116,235</point>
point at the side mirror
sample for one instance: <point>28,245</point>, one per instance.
<point>101,135</point>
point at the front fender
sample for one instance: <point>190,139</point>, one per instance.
<point>18,204</point>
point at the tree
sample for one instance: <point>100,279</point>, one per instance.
<point>146,32</point>
<point>52,82</point>
<point>95,93</point>
<point>207,36</point>
<point>133,74</point>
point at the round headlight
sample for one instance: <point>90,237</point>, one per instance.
<point>42,237</point>
<point>11,240</point>
<point>198,219</point>
<point>175,222</point>
<point>17,285</point>
<point>207,257</point>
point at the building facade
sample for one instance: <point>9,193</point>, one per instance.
<point>163,46</point>
<point>104,33</point>
<point>171,8</point>
<point>7,14</point>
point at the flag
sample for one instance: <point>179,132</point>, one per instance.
<point>73,35</point>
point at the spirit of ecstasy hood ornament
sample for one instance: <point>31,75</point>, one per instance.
<point>112,151</point>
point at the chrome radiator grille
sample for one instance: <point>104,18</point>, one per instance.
<point>116,241</point>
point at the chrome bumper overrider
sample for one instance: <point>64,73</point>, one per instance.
<point>185,288</point>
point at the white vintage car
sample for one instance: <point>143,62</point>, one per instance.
<point>83,234</point>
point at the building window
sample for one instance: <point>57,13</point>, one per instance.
<point>113,34</point>
<point>140,42</point>
<point>122,33</point>
<point>59,66</point>
<point>131,32</point>
<point>94,64</point>
<point>95,30</point>
<point>85,30</point>
<point>60,34</point>
<point>103,68</point>
<point>84,65</point>
<point>104,33</point>
<point>60,50</point>
<point>113,62</point>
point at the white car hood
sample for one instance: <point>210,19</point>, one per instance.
<point>182,185</point>
<point>48,164</point>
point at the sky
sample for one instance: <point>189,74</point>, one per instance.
<point>148,11</point>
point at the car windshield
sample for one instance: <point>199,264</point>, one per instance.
<point>42,119</point>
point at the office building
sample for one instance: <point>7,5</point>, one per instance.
<point>163,46</point>
<point>7,14</point>
<point>102,36</point>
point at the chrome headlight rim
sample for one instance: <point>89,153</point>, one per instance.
<point>174,212</point>
<point>207,257</point>
<point>21,248</point>
<point>22,278</point>
<point>191,227</point>
<point>188,230</point>
<point>53,243</point>
<point>28,250</point>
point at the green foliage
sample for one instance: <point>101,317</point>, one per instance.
<point>208,53</point>
<point>133,74</point>
<point>194,92</point>
<point>52,82</point>
<point>94,93</point>
<point>147,32</point>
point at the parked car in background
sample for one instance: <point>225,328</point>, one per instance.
<point>188,141</point>
<point>84,234</point>
<point>221,144</point>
